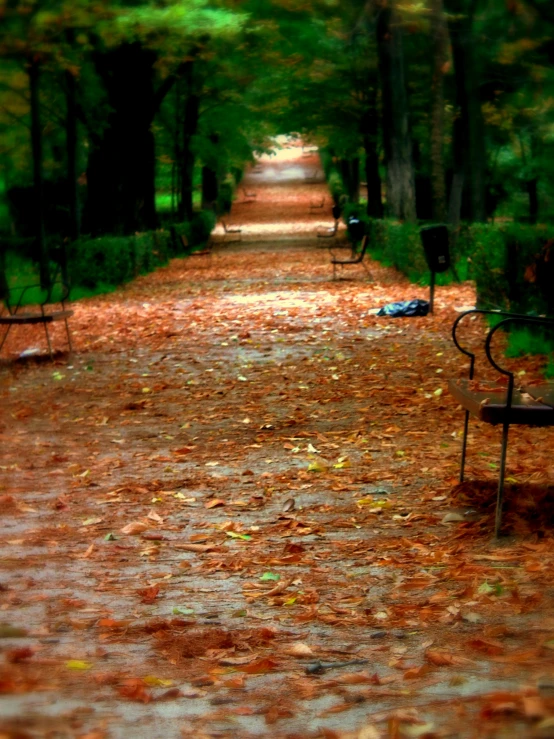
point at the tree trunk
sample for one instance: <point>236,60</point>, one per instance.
<point>396,133</point>
<point>531,183</point>
<point>210,188</point>
<point>532,190</point>
<point>210,178</point>
<point>121,168</point>
<point>190,127</point>
<point>350,174</point>
<point>469,133</point>
<point>370,140</point>
<point>71,146</point>
<point>438,183</point>
<point>33,70</point>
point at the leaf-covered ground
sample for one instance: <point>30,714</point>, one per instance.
<point>243,479</point>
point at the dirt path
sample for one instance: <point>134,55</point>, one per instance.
<point>244,472</point>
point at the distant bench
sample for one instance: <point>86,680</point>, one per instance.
<point>355,258</point>
<point>182,241</point>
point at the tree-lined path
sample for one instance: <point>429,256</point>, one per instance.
<point>243,471</point>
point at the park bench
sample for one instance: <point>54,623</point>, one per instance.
<point>317,203</point>
<point>181,241</point>
<point>248,196</point>
<point>531,405</point>
<point>355,258</point>
<point>51,306</point>
<point>328,232</point>
<point>231,233</point>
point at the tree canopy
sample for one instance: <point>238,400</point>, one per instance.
<point>443,108</point>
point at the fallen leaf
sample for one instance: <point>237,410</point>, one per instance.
<point>268,576</point>
<point>214,503</point>
<point>149,595</point>
<point>77,664</point>
<point>260,667</point>
<point>439,657</point>
<point>299,650</point>
<point>134,528</point>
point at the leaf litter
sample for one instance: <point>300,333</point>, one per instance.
<point>169,569</point>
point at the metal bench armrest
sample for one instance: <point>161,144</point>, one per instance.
<point>476,311</point>
<point>510,320</point>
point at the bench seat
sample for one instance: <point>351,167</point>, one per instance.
<point>489,404</point>
<point>20,319</point>
<point>531,405</point>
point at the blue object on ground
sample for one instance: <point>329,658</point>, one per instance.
<point>405,308</point>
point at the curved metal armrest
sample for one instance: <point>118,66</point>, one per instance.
<point>477,311</point>
<point>514,318</point>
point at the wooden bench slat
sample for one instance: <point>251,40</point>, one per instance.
<point>490,405</point>
<point>28,318</point>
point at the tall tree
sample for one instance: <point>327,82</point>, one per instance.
<point>469,152</point>
<point>139,53</point>
<point>396,129</point>
<point>440,60</point>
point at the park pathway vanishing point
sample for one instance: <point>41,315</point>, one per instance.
<point>243,475</point>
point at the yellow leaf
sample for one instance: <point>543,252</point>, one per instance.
<point>316,467</point>
<point>77,664</point>
<point>157,681</point>
<point>343,463</point>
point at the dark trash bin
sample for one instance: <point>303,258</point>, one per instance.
<point>435,245</point>
<point>356,229</point>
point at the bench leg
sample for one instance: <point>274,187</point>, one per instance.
<point>6,332</point>
<point>367,270</point>
<point>464,447</point>
<point>68,335</point>
<point>48,340</point>
<point>500,494</point>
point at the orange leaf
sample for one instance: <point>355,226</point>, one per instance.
<point>260,667</point>
<point>136,527</point>
<point>439,658</point>
<point>149,595</point>
<point>486,646</point>
<point>135,690</point>
<point>414,672</point>
<point>214,503</point>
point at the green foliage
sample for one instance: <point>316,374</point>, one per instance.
<point>114,260</point>
<point>523,341</point>
<point>196,231</point>
<point>109,259</point>
<point>501,257</point>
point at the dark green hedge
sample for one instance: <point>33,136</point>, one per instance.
<point>511,267</point>
<point>114,260</point>
<point>511,264</point>
<point>399,245</point>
